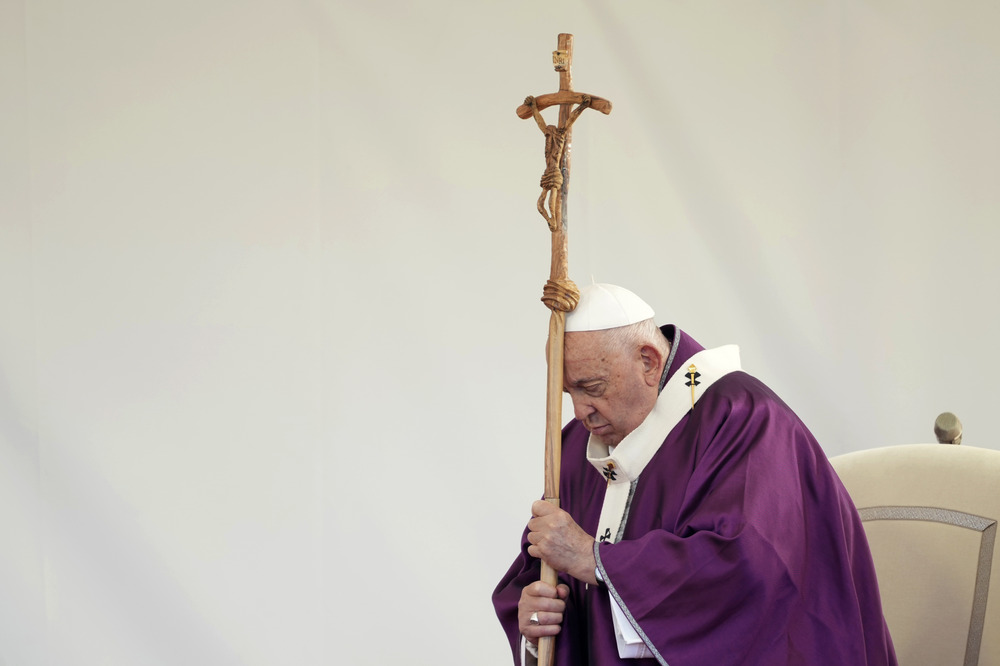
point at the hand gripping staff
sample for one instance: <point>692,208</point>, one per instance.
<point>560,295</point>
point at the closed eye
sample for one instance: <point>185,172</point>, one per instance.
<point>593,388</point>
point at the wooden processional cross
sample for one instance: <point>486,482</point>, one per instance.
<point>560,295</point>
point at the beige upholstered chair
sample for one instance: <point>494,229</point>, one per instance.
<point>930,512</point>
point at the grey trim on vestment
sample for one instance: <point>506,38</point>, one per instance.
<point>621,604</point>
<point>670,357</point>
<point>628,507</point>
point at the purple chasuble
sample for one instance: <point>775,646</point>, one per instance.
<point>740,545</point>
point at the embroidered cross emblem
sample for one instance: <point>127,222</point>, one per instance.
<point>606,535</point>
<point>693,381</point>
<point>610,473</point>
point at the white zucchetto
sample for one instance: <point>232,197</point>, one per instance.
<point>604,306</point>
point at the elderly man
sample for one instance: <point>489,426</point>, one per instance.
<point>700,521</point>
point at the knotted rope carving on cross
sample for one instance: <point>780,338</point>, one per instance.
<point>560,294</point>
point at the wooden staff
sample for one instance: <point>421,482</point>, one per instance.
<point>560,295</point>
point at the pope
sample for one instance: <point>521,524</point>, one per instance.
<point>699,522</point>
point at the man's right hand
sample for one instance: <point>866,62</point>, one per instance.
<point>548,602</point>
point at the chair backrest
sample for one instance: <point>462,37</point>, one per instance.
<point>930,513</point>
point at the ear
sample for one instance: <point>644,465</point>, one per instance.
<point>652,364</point>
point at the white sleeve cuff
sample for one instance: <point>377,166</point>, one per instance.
<point>630,645</point>
<point>529,653</point>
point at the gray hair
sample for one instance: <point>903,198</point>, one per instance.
<point>626,339</point>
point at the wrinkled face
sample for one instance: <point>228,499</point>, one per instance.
<point>612,391</point>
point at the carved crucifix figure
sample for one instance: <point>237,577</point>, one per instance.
<point>555,145</point>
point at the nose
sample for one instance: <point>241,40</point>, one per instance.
<point>581,408</point>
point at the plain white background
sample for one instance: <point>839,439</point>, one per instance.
<point>273,380</point>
